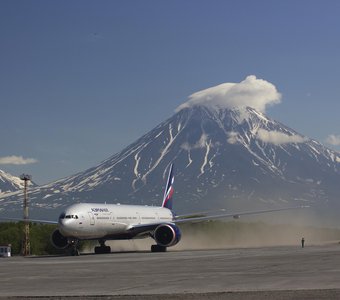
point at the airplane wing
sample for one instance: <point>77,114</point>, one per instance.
<point>198,214</point>
<point>29,220</point>
<point>140,229</point>
<point>235,215</point>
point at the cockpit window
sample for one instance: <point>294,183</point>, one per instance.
<point>63,216</point>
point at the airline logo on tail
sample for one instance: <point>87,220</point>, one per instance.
<point>169,190</point>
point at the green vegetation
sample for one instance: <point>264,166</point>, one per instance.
<point>12,233</point>
<point>40,238</point>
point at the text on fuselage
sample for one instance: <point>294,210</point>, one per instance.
<point>99,209</point>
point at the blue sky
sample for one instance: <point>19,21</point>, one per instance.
<point>80,80</point>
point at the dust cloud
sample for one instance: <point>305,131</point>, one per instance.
<point>232,234</point>
<point>277,229</point>
<point>258,234</point>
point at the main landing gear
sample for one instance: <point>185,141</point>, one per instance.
<point>158,248</point>
<point>102,249</point>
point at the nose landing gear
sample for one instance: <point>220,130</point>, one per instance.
<point>74,251</point>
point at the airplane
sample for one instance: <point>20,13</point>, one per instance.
<point>102,222</point>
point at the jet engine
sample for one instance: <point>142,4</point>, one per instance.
<point>58,240</point>
<point>167,235</point>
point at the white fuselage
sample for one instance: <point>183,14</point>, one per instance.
<point>105,221</point>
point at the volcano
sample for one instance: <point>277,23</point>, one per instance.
<point>224,158</point>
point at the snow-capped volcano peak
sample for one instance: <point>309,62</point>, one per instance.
<point>243,125</point>
<point>251,92</point>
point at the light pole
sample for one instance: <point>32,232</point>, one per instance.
<point>26,240</point>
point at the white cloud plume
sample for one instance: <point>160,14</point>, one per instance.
<point>252,92</point>
<point>201,143</point>
<point>333,139</point>
<point>278,138</point>
<point>16,160</point>
<point>232,137</point>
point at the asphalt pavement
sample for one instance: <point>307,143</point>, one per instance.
<point>246,273</point>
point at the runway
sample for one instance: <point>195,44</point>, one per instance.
<point>255,273</point>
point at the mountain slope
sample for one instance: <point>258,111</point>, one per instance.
<point>9,183</point>
<point>224,158</point>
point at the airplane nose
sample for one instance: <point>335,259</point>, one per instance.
<point>67,220</point>
<point>67,226</point>
<point>64,220</point>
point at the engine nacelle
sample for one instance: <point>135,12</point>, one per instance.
<point>58,240</point>
<point>167,235</point>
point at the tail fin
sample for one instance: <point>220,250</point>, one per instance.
<point>169,190</point>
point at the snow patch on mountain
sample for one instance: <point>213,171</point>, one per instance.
<point>10,183</point>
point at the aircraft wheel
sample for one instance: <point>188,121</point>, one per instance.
<point>75,252</point>
<point>158,248</point>
<point>107,249</point>
<point>102,249</point>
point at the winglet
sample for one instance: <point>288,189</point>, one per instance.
<point>169,190</point>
